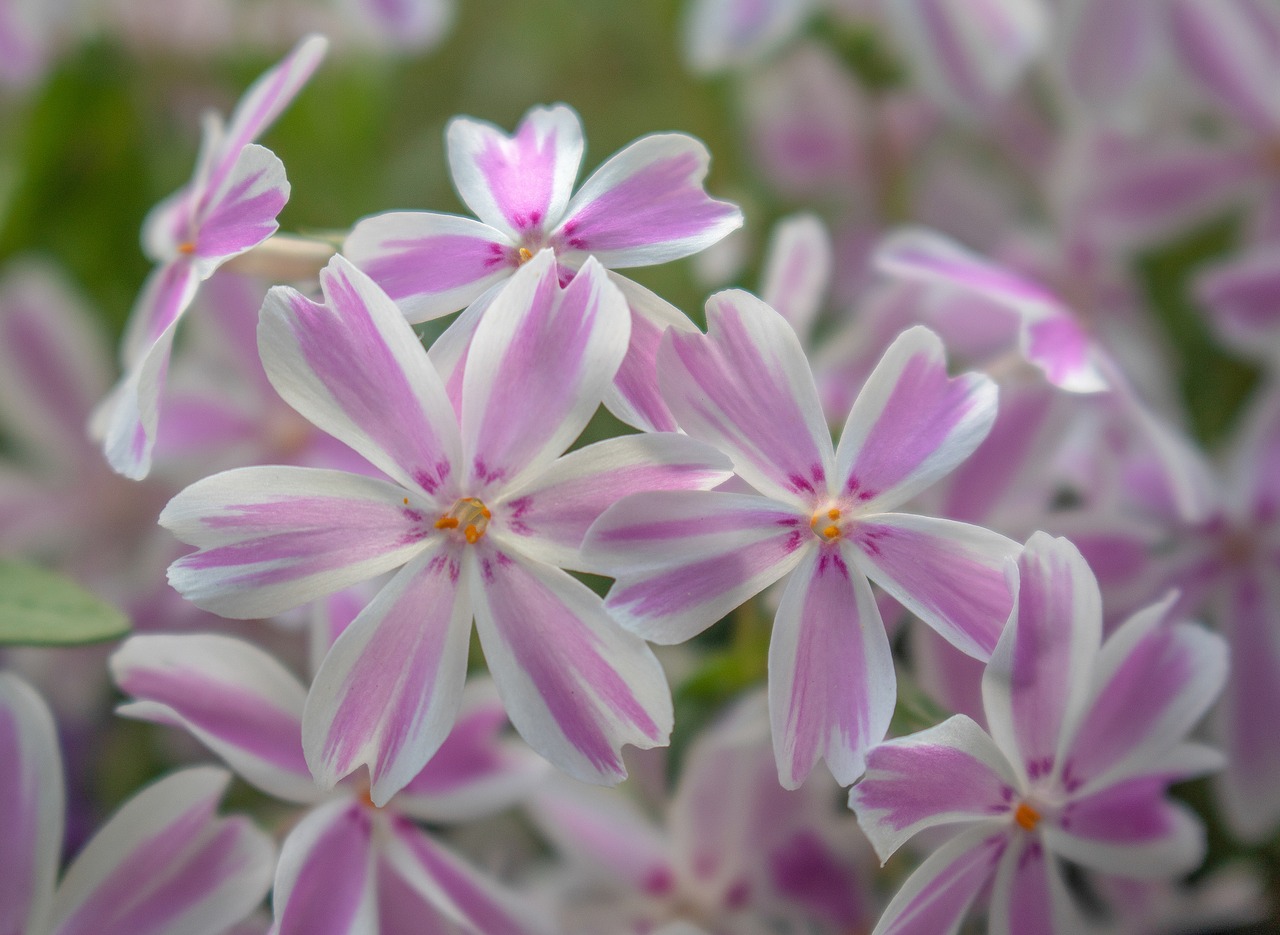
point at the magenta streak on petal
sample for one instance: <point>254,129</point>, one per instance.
<point>166,301</point>
<point>928,780</point>
<point>706,524</point>
<point>696,583</point>
<point>560,655</point>
<point>973,274</point>
<point>469,754</point>
<point>520,174</point>
<point>1130,812</point>
<point>460,884</point>
<point>44,367</point>
<point>1252,741</point>
<point>971,599</point>
<point>941,32</point>
<point>332,879</point>
<point>637,377</point>
<point>1060,347</point>
<point>1030,902</point>
<point>19,814</point>
<point>230,713</point>
<point>922,411</point>
<point>1142,689</point>
<point>431,265</point>
<point>348,353</point>
<point>805,871</point>
<point>936,907</point>
<point>162,877</point>
<point>240,219</point>
<point>655,205</point>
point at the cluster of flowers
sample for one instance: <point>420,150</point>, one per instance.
<point>1038,529</point>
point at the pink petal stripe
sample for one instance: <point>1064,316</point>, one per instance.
<point>1111,46</point>
<point>1241,296</point>
<point>166,295</point>
<point>724,34</point>
<point>430,264</point>
<point>948,774</point>
<point>797,271</point>
<point>549,517</point>
<point>646,205</point>
<point>354,367</point>
<point>31,806</point>
<point>539,364</point>
<point>745,387</point>
<point>519,183</point>
<point>831,680</point>
<point>1039,673</point>
<point>575,686</point>
<point>1231,46</point>
<point>387,694</point>
<point>1022,899</point>
<point>950,575</point>
<point>911,424</point>
<point>685,559</point>
<point>242,213</point>
<point>324,884</point>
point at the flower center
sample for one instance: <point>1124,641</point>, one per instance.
<point>825,524</point>
<point>187,247</point>
<point>525,255</point>
<point>1026,817</point>
<point>469,515</point>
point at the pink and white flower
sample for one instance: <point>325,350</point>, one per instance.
<point>684,559</point>
<point>229,206</point>
<point>478,513</point>
<point>164,864</point>
<point>1085,738</point>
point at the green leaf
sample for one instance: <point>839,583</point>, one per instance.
<point>41,608</point>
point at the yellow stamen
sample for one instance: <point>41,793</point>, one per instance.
<point>406,501</point>
<point>469,515</point>
<point>473,535</point>
<point>525,255</point>
<point>1026,817</point>
<point>187,246</point>
<point>831,532</point>
<point>833,513</point>
<point>446,522</point>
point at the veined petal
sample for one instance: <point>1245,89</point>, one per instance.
<point>797,271</point>
<point>165,863</point>
<point>519,184</point>
<point>354,367</point>
<point>1029,894</point>
<point>1153,680</point>
<point>948,774</point>
<point>1231,46</point>
<point>272,538</point>
<point>831,680</point>
<point>232,696</point>
<point>949,574</point>
<point>935,898</point>
<point>1129,829</point>
<point>430,264</point>
<point>539,364</point>
<point>242,213</point>
<point>575,685</point>
<point>31,806</point>
<point>325,881</point>
<point>635,397</point>
<point>1038,676</point>
<point>746,388</point>
<point>548,518</point>
<point>684,559</point>
<point>911,424</point>
<point>477,771</point>
<point>646,205</point>
<point>387,694</point>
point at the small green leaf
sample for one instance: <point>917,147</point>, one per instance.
<point>41,608</point>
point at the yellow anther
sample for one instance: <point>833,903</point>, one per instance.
<point>187,247</point>
<point>1026,817</point>
<point>833,513</point>
<point>406,501</point>
<point>831,532</point>
<point>473,535</point>
<point>447,522</point>
<point>469,515</point>
<point>525,255</point>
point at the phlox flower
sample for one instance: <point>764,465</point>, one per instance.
<point>645,205</point>
<point>229,206</point>
<point>478,513</point>
<point>1084,738</point>
<point>345,866</point>
<point>827,516</point>
<point>164,864</point>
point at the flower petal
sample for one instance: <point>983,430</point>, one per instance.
<point>430,264</point>
<point>354,367</point>
<point>948,774</point>
<point>724,34</point>
<point>548,518</point>
<point>272,538</point>
<point>575,685</point>
<point>519,184</point>
<point>798,270</point>
<point>232,696</point>
<point>685,559</point>
<point>645,205</point>
<point>1029,894</point>
<point>1231,47</point>
<point>911,424</point>
<point>950,575</point>
<point>1241,297</point>
<point>31,806</point>
<point>539,364</point>
<point>242,213</point>
<point>325,881</point>
<point>831,680</point>
<point>387,694</point>
<point>746,388</point>
<point>166,863</point>
<point>1110,48</point>
<point>1038,676</point>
